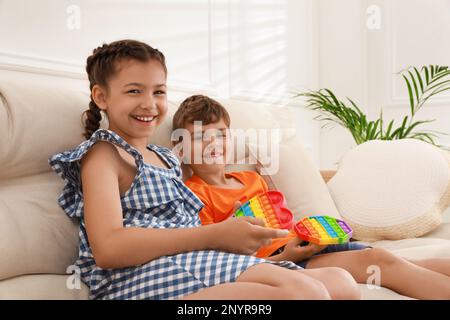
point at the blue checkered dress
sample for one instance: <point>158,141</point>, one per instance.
<point>157,198</point>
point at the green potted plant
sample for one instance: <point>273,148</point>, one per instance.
<point>422,85</point>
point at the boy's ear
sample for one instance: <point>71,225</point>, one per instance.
<point>98,94</point>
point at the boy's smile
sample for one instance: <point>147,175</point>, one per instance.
<point>211,141</point>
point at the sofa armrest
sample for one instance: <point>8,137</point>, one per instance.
<point>327,174</point>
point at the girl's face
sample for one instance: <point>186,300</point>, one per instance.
<point>135,100</point>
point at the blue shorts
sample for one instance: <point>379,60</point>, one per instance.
<point>335,248</point>
<point>330,249</point>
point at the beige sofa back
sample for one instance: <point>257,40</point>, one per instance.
<point>35,122</point>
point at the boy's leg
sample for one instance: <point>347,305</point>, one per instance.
<point>396,273</point>
<point>441,265</point>
<point>266,281</point>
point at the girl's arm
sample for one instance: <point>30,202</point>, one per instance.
<point>115,246</point>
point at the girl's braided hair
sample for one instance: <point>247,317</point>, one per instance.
<point>101,65</point>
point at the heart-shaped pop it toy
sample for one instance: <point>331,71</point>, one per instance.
<point>270,207</point>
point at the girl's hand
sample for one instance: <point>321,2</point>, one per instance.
<point>295,253</point>
<point>243,235</point>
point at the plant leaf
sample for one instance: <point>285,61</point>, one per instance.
<point>427,76</point>
<point>415,124</point>
<point>419,78</point>
<point>416,90</point>
<point>411,96</point>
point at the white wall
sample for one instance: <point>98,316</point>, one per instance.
<point>362,63</point>
<point>262,50</point>
<point>249,50</point>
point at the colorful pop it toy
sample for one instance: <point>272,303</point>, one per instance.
<point>323,230</point>
<point>270,207</point>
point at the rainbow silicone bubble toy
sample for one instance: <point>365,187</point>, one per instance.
<point>323,230</point>
<point>270,207</point>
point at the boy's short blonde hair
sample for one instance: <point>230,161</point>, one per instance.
<point>199,108</point>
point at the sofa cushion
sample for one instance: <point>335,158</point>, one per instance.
<point>379,293</point>
<point>441,232</point>
<point>300,181</point>
<point>392,189</point>
<point>43,287</point>
<point>37,121</point>
<point>36,236</point>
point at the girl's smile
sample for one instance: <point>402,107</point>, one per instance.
<point>135,100</point>
<point>146,120</point>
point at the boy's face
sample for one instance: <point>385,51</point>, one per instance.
<point>207,149</point>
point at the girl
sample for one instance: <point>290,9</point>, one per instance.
<point>140,235</point>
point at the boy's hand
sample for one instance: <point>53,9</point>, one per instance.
<point>237,205</point>
<point>296,253</point>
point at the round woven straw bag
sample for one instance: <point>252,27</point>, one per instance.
<point>392,189</point>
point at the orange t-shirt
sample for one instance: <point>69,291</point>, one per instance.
<point>219,202</point>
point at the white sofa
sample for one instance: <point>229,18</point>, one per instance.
<point>39,116</point>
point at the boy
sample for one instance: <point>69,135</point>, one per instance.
<point>222,193</point>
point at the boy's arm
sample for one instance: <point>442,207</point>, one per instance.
<point>277,257</point>
<point>296,253</point>
<point>266,177</point>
